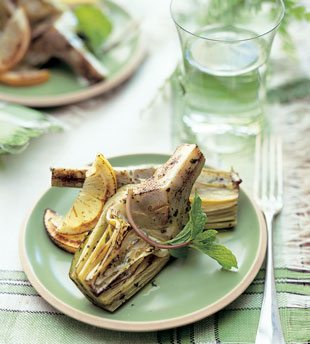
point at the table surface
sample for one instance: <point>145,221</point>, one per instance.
<point>123,122</point>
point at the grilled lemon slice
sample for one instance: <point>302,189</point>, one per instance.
<point>25,77</point>
<point>67,242</point>
<point>100,184</point>
<point>14,39</point>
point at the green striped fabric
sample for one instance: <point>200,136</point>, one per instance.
<point>237,323</point>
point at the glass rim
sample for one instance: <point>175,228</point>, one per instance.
<point>233,40</point>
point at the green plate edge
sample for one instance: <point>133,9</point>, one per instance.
<point>64,86</point>
<point>186,290</point>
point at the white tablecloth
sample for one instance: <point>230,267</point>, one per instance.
<point>114,124</point>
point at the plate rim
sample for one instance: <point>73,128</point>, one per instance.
<point>91,91</point>
<point>147,326</point>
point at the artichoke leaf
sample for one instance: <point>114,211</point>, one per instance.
<point>115,262</point>
<point>117,253</point>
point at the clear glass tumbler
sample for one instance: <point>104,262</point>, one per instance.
<point>226,46</point>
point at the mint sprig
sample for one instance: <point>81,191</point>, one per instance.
<point>192,235</point>
<point>204,241</point>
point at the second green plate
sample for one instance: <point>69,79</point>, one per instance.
<point>64,86</point>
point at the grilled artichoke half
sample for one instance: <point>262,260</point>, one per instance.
<point>113,263</point>
<point>218,190</point>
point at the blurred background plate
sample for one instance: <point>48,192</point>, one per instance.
<point>64,87</point>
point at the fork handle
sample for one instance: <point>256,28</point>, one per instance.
<point>269,327</point>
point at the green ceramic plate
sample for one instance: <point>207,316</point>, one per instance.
<point>64,87</point>
<point>185,291</point>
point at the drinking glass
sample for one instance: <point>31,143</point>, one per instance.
<point>222,79</point>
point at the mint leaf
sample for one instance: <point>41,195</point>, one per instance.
<point>206,237</point>
<point>218,252</point>
<point>94,25</point>
<point>197,218</point>
<point>183,236</point>
<point>181,252</point>
<point>193,234</point>
<point>195,225</point>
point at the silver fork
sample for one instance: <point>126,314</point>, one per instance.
<point>268,193</point>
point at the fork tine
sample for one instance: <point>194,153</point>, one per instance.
<point>265,164</point>
<point>257,166</point>
<point>272,166</point>
<point>279,168</point>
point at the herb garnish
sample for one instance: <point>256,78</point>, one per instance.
<point>94,25</point>
<point>192,235</point>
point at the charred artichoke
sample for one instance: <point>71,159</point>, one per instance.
<point>114,263</point>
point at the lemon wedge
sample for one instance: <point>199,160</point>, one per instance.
<point>100,184</point>
<point>25,77</point>
<point>14,39</point>
<point>67,242</point>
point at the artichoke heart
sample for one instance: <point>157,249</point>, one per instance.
<point>219,192</point>
<point>113,263</point>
